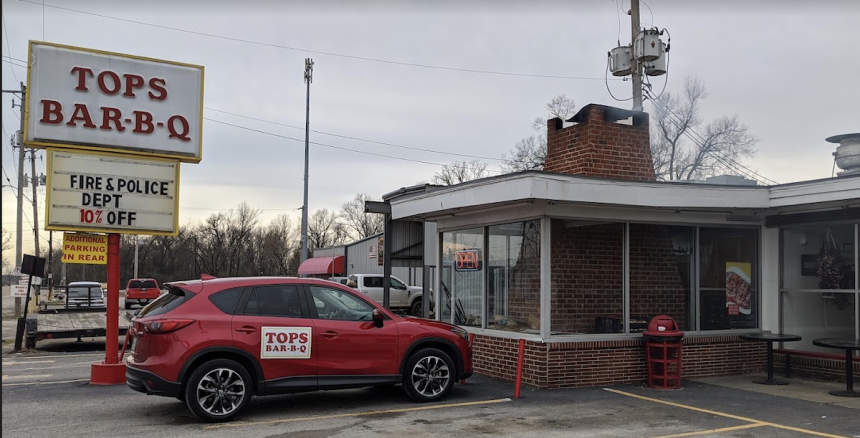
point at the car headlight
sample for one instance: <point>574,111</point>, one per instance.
<point>461,333</point>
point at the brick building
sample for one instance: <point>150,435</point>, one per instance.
<point>576,259</point>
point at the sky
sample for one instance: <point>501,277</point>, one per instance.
<point>401,88</point>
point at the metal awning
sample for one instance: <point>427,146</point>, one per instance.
<point>322,265</point>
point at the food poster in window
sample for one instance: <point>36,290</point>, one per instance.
<point>738,280</point>
<point>285,343</point>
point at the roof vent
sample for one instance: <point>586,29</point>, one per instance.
<point>847,153</point>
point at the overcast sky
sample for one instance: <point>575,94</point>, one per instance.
<point>402,88</point>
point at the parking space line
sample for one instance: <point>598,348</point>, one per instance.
<point>15,362</point>
<point>357,414</point>
<point>46,383</point>
<point>708,432</point>
<point>60,356</point>
<point>27,376</point>
<point>723,414</point>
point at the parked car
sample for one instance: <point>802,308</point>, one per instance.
<point>85,294</point>
<point>400,294</point>
<point>215,343</point>
<point>341,280</point>
<point>141,291</point>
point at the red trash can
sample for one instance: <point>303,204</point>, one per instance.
<point>663,352</point>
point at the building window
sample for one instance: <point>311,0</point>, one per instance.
<point>463,277</point>
<point>513,289</point>
<point>728,278</point>
<point>662,259</point>
<point>819,291</point>
<point>587,271</point>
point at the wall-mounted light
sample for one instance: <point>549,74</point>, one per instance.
<point>802,239</point>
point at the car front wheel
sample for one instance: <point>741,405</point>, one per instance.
<point>429,375</point>
<point>218,390</point>
<point>417,308</point>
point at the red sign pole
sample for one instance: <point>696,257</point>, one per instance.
<point>111,372</point>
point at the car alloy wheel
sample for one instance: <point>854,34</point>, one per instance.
<point>429,376</point>
<point>218,390</point>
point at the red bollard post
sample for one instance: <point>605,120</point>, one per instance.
<point>520,355</point>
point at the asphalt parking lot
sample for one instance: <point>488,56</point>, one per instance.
<point>46,393</point>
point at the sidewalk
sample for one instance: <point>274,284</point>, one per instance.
<point>813,390</point>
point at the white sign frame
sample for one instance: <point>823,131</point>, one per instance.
<point>130,195</point>
<point>87,99</point>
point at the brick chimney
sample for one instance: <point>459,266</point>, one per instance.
<point>599,146</point>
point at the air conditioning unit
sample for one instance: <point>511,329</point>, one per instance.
<point>647,45</point>
<point>619,61</point>
<point>657,67</point>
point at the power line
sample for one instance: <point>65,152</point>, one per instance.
<point>319,52</point>
<point>700,141</point>
<point>330,146</point>
<point>356,138</point>
<point>9,49</point>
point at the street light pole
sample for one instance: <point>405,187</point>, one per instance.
<point>309,72</point>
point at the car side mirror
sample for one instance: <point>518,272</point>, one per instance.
<point>378,316</point>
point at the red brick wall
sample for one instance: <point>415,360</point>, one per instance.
<point>601,148</point>
<point>816,367</point>
<point>587,275</point>
<point>593,363</point>
<point>656,284</point>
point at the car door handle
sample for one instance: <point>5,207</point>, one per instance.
<point>246,329</point>
<point>329,334</point>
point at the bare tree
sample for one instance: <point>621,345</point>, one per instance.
<point>530,152</point>
<point>324,230</point>
<point>357,222</point>
<point>7,244</point>
<point>684,148</point>
<point>279,247</point>
<point>460,172</point>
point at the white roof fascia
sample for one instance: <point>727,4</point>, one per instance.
<point>827,190</point>
<point>564,188</point>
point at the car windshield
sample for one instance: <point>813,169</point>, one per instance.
<point>85,291</point>
<point>142,284</point>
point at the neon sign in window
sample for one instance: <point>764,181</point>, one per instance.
<point>467,261</point>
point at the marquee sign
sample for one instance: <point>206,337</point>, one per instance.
<point>93,100</point>
<point>111,194</point>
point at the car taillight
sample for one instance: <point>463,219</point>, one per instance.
<point>167,325</point>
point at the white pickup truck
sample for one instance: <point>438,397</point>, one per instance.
<point>401,295</point>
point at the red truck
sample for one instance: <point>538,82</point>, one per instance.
<point>141,291</point>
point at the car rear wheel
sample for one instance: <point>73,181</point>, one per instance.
<point>218,390</point>
<point>429,375</point>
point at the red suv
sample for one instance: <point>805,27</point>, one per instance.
<point>215,343</point>
<point>141,291</point>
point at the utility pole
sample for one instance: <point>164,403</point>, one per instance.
<point>136,245</point>
<point>635,65</point>
<point>19,251</point>
<point>309,73</point>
